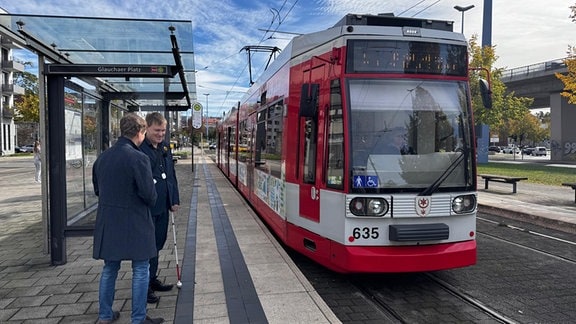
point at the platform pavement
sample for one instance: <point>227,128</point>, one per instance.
<point>33,291</point>
<point>550,206</point>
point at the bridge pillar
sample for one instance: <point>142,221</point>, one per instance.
<point>562,130</point>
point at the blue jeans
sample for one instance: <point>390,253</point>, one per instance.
<point>107,290</point>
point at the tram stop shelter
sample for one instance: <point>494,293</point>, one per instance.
<point>90,72</point>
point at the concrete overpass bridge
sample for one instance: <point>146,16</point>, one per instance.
<point>538,81</point>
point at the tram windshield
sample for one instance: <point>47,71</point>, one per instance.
<point>409,134</point>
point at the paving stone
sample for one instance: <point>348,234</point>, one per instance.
<point>33,312</point>
<point>63,299</point>
<point>28,301</point>
<point>70,309</point>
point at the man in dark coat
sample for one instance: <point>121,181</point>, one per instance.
<point>166,185</point>
<point>124,230</point>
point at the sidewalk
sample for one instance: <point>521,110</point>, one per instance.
<point>550,206</point>
<point>215,287</point>
<point>32,290</point>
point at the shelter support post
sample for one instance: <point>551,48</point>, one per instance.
<point>56,157</point>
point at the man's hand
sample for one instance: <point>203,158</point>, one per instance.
<point>174,208</point>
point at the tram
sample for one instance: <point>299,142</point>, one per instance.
<point>356,146</point>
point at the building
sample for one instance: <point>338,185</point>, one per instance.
<point>8,89</point>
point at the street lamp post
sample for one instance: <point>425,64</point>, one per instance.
<point>206,94</point>
<point>462,10</point>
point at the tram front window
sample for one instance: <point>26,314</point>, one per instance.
<point>407,133</point>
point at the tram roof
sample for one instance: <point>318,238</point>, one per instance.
<point>382,24</point>
<point>130,42</point>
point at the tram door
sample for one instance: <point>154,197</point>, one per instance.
<point>310,148</point>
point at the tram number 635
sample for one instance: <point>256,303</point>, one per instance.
<point>365,232</point>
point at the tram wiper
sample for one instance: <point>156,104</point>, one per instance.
<point>436,184</point>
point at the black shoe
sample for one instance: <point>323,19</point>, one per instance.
<point>115,316</point>
<point>152,299</point>
<point>150,320</point>
<point>157,285</point>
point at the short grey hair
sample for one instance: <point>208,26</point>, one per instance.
<point>131,124</point>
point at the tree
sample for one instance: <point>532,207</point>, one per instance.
<point>569,79</point>
<point>527,129</point>
<point>506,107</point>
<point>27,106</point>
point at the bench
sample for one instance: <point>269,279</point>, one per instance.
<point>499,178</point>
<point>573,186</point>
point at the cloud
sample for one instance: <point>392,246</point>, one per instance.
<point>524,32</point>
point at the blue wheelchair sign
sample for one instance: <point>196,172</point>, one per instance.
<point>365,181</point>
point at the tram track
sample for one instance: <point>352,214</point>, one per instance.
<point>470,300</point>
<point>520,265</point>
<point>555,240</point>
<point>459,303</point>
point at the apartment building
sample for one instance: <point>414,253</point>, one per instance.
<point>8,90</point>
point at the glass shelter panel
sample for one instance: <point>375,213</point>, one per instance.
<point>73,147</point>
<point>89,144</point>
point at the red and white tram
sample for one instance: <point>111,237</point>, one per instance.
<point>356,146</point>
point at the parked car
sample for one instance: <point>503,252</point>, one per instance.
<point>25,149</point>
<point>527,150</point>
<point>494,149</point>
<point>511,150</point>
<point>539,151</point>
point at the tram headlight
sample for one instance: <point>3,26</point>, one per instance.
<point>464,204</point>
<point>366,206</point>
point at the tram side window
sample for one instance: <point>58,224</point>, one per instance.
<point>269,139</point>
<point>335,155</point>
<point>260,137</point>
<point>244,142</point>
<point>228,142</point>
<point>310,150</point>
<point>309,111</point>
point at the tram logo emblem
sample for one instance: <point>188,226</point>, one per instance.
<point>423,205</point>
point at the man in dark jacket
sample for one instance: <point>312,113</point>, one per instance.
<point>167,189</point>
<point>124,229</point>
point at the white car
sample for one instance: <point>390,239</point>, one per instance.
<point>539,151</point>
<point>25,149</point>
<point>511,150</point>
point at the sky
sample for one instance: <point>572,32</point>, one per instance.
<point>523,32</point>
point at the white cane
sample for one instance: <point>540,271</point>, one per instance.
<point>179,283</point>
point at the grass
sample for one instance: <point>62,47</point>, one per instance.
<point>548,175</point>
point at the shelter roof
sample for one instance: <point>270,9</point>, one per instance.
<point>93,40</point>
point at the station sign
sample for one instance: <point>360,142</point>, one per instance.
<point>112,70</point>
<point>196,115</point>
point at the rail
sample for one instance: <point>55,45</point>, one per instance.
<point>537,67</point>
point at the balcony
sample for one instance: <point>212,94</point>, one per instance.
<point>7,112</point>
<point>12,89</point>
<point>12,66</point>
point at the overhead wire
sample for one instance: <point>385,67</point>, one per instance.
<point>425,8</point>
<point>400,14</point>
<point>276,14</point>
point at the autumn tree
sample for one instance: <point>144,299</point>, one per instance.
<point>506,107</point>
<point>526,130</point>
<point>569,79</point>
<point>27,106</point>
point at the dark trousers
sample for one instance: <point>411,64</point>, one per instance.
<point>161,229</point>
